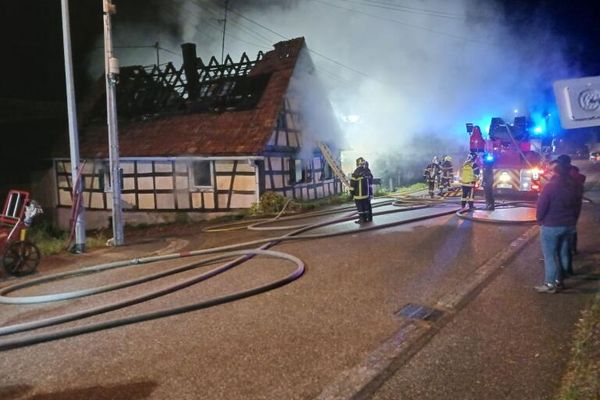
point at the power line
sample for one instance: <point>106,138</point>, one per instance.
<point>259,24</point>
<point>257,35</point>
<point>247,29</point>
<point>445,34</point>
<point>224,30</point>
<point>333,74</point>
<point>310,50</point>
<point>145,47</point>
<point>207,21</point>
<point>339,63</point>
<point>407,9</point>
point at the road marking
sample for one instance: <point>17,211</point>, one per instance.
<point>365,378</point>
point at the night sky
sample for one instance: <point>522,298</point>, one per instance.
<point>32,63</point>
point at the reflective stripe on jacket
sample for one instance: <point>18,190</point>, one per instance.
<point>360,183</point>
<point>447,169</point>
<point>469,173</point>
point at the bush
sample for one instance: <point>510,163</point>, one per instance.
<point>51,240</point>
<point>47,238</point>
<point>271,203</point>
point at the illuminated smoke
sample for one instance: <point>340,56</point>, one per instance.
<point>413,72</point>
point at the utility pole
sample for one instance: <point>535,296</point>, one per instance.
<point>111,68</point>
<point>224,28</point>
<point>79,221</point>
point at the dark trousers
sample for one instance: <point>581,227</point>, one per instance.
<point>574,242</point>
<point>489,197</point>
<point>468,193</point>
<point>365,212</point>
<point>431,185</point>
<point>445,184</point>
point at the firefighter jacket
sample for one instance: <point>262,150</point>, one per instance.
<point>432,172</point>
<point>447,169</point>
<point>469,173</point>
<point>360,183</point>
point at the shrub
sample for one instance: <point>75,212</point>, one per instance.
<point>271,203</point>
<point>47,238</point>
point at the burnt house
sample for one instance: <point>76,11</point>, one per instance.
<point>205,138</point>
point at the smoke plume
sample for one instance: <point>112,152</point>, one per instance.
<point>402,77</point>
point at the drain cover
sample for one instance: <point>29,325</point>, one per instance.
<point>416,311</point>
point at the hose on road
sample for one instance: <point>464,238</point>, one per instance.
<point>238,250</point>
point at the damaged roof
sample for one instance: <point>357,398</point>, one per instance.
<point>177,121</point>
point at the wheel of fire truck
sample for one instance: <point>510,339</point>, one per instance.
<point>21,258</point>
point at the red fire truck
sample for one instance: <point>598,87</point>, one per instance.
<point>515,152</point>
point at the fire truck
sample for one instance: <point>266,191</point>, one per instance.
<point>515,153</point>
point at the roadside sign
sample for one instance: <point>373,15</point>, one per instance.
<point>578,101</point>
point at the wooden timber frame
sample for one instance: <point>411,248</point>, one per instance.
<point>164,184</point>
<point>149,90</point>
<point>161,187</point>
<point>167,183</point>
<point>305,177</point>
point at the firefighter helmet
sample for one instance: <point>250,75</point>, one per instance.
<point>435,160</point>
<point>471,157</point>
<point>360,161</point>
<point>447,158</point>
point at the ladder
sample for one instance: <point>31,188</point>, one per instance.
<point>337,170</point>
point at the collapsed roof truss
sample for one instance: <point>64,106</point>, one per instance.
<point>155,89</point>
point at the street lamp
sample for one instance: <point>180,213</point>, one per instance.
<point>111,68</point>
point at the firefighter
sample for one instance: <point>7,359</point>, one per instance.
<point>432,175</point>
<point>488,181</point>
<point>447,174</point>
<point>371,192</point>
<point>469,174</point>
<point>360,183</point>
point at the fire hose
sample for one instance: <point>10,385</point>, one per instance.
<point>230,251</point>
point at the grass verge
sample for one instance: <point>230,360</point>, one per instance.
<point>54,241</point>
<point>582,379</point>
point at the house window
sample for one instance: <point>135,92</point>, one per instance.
<point>298,171</point>
<point>327,171</point>
<point>307,171</point>
<point>201,174</point>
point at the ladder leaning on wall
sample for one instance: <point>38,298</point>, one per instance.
<point>337,170</point>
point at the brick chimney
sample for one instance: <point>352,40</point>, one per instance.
<point>190,67</point>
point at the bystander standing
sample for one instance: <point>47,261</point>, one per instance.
<point>558,207</point>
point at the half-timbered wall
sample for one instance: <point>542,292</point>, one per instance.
<point>300,177</point>
<point>163,185</point>
<point>314,180</point>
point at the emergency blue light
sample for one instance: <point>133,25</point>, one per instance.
<point>489,157</point>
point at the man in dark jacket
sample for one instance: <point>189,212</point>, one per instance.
<point>579,178</point>
<point>558,208</point>
<point>360,190</point>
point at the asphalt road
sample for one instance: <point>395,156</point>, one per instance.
<point>509,342</point>
<point>288,343</point>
